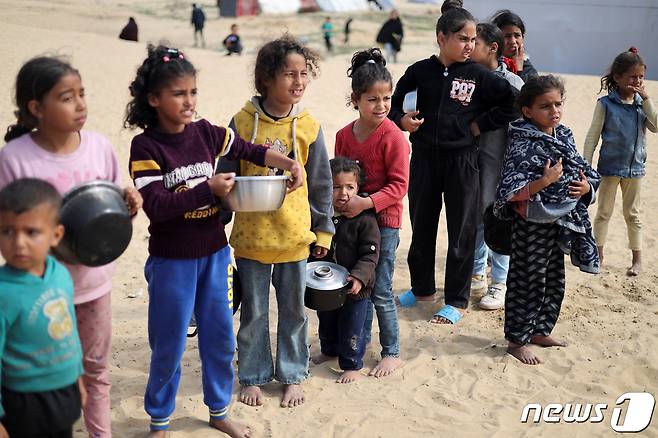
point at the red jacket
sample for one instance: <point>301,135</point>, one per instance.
<point>384,156</point>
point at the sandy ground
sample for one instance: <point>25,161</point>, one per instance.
<point>456,381</point>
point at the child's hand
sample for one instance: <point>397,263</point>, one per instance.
<point>552,174</point>
<point>519,57</point>
<point>319,252</point>
<point>579,188</point>
<point>222,183</point>
<point>410,123</point>
<point>356,285</point>
<point>83,393</point>
<point>297,177</point>
<point>3,432</point>
<point>475,129</point>
<point>641,91</point>
<point>133,200</point>
<point>355,206</point>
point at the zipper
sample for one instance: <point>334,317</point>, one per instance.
<point>637,137</point>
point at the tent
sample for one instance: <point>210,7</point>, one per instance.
<point>581,37</point>
<point>237,8</point>
<point>279,6</point>
<point>342,5</point>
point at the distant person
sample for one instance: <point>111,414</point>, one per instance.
<point>451,4</point>
<point>514,33</point>
<point>232,41</point>
<point>327,33</point>
<point>198,21</point>
<point>390,35</point>
<point>129,31</point>
<point>347,29</point>
<point>621,120</point>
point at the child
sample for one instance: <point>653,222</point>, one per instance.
<point>232,41</point>
<point>275,245</point>
<point>381,149</point>
<point>356,247</point>
<point>621,120</point>
<point>40,357</point>
<point>457,99</point>
<point>488,52</point>
<point>327,33</point>
<point>513,30</point>
<point>545,188</point>
<point>188,271</point>
<point>47,142</point>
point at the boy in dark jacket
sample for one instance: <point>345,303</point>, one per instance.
<point>355,246</point>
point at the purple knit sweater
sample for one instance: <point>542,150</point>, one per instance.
<point>171,173</point>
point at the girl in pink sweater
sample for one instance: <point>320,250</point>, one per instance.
<point>47,142</point>
<point>381,149</point>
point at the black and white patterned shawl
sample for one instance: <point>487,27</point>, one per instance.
<point>525,158</point>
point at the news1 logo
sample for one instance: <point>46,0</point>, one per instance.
<point>639,411</point>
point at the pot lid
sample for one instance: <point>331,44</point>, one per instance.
<point>326,275</point>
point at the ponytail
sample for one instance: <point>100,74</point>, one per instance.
<point>366,68</point>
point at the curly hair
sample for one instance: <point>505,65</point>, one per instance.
<point>535,86</point>
<point>621,64</point>
<point>347,165</point>
<point>367,68</point>
<point>271,59</point>
<point>162,65</point>
<point>34,80</point>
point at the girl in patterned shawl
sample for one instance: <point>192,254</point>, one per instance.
<point>545,189</point>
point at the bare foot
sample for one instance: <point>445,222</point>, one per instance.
<point>157,434</point>
<point>386,366</point>
<point>293,395</point>
<point>349,376</point>
<point>231,428</point>
<point>523,354</point>
<point>251,396</point>
<point>547,341</point>
<point>636,267</point>
<point>321,358</point>
<point>600,249</point>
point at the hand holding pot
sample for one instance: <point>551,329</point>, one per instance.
<point>133,200</point>
<point>356,285</point>
<point>319,252</point>
<point>296,177</point>
<point>222,183</point>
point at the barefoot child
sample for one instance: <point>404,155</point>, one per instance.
<point>621,120</point>
<point>275,245</point>
<point>40,353</point>
<point>188,271</point>
<point>47,142</point>
<point>355,246</point>
<point>545,188</point>
<point>382,151</point>
<point>457,99</point>
<point>488,52</point>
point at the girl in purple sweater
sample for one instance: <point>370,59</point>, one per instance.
<point>188,269</point>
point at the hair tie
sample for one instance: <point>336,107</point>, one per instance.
<point>172,54</point>
<point>370,61</point>
<point>633,50</point>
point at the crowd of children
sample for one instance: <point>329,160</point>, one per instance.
<point>480,138</point>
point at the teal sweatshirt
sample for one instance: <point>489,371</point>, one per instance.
<point>39,344</point>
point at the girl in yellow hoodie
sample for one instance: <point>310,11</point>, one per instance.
<point>275,245</point>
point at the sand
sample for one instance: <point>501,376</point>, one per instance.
<point>456,380</point>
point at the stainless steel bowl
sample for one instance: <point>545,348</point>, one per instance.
<point>256,193</point>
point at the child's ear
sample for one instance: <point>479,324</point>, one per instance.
<point>34,107</point>
<point>526,112</point>
<point>153,100</point>
<point>494,47</point>
<point>58,233</point>
<point>353,99</point>
<point>440,38</point>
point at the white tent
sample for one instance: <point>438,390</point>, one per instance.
<point>583,36</point>
<point>279,6</point>
<point>342,5</point>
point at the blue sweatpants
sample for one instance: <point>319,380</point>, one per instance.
<point>177,289</point>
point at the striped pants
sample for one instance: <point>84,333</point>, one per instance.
<point>535,282</point>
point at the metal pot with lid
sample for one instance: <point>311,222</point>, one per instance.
<point>326,286</point>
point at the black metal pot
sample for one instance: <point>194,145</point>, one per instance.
<point>97,224</point>
<point>326,286</point>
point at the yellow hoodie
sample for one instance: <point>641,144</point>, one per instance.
<point>305,217</point>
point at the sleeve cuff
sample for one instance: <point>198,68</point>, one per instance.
<point>521,195</point>
<point>323,239</point>
<point>204,195</point>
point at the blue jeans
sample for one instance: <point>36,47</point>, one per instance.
<point>255,365</point>
<point>499,262</point>
<point>178,289</point>
<point>341,333</point>
<point>382,296</point>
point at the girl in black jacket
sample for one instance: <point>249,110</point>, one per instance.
<point>457,99</point>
